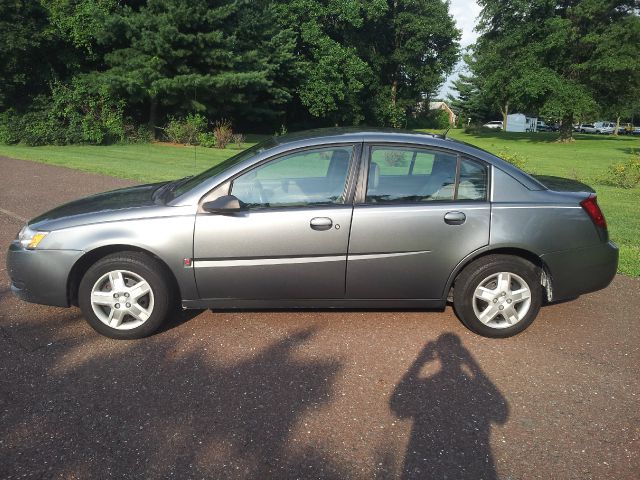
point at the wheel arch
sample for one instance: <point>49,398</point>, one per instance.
<point>92,256</point>
<point>534,258</point>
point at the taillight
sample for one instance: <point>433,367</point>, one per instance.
<point>590,204</point>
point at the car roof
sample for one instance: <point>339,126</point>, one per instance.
<point>346,134</point>
<point>326,136</point>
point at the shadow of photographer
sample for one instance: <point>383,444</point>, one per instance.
<point>452,406</point>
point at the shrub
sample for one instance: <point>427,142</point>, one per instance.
<point>623,174</point>
<point>185,130</point>
<point>432,119</point>
<point>238,139</point>
<point>282,131</point>
<point>516,159</point>
<point>395,158</point>
<point>473,129</point>
<point>222,132</point>
<point>81,111</point>
<point>9,127</point>
<point>139,134</point>
<point>84,111</point>
<point>207,140</point>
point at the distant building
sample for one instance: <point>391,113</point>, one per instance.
<point>443,106</point>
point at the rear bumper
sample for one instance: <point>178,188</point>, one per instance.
<point>581,270</point>
<point>40,276</point>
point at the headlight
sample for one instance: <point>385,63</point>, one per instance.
<point>30,238</point>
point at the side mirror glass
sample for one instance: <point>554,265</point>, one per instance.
<point>224,204</point>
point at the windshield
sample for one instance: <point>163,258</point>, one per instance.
<point>196,180</point>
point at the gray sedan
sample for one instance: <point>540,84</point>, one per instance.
<point>333,218</point>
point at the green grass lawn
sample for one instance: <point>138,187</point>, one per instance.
<point>585,160</point>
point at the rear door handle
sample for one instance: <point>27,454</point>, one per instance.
<point>455,218</point>
<point>321,223</point>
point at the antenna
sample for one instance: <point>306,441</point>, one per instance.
<point>443,135</point>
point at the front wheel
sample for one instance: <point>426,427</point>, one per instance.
<point>498,295</point>
<point>125,295</point>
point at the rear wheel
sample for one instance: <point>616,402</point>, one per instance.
<point>125,295</point>
<point>498,295</point>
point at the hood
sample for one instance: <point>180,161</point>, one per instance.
<point>96,207</point>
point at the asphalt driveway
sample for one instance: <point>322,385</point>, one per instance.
<point>311,394</point>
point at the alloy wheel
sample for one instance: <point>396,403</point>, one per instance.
<point>122,300</point>
<point>501,300</point>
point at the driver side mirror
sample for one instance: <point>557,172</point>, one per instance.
<point>225,204</point>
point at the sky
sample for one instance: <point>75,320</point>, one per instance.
<point>465,13</point>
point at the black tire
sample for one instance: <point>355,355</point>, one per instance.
<point>478,271</point>
<point>145,267</point>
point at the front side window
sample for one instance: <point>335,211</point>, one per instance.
<point>405,175</point>
<point>304,178</point>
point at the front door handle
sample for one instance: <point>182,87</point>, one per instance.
<point>321,223</point>
<point>455,218</point>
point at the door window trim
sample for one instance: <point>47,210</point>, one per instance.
<point>363,177</point>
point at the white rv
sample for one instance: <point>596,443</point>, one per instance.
<point>519,122</point>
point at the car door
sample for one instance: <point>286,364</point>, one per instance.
<point>419,211</point>
<point>290,241</point>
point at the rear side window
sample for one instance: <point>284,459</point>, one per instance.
<point>473,181</point>
<point>405,175</point>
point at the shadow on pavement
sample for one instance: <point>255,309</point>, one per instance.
<point>452,408</point>
<point>160,409</point>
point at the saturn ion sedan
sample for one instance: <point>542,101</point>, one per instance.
<point>335,218</point>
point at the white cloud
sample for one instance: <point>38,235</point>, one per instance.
<point>465,13</point>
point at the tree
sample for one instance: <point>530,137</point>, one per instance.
<point>185,56</point>
<point>561,58</point>
<point>468,100</point>
<point>331,73</point>
<point>412,46</point>
<point>24,44</point>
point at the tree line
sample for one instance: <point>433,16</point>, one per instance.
<point>94,71</point>
<point>564,60</point>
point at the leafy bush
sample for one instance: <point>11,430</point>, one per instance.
<point>222,132</point>
<point>473,129</point>
<point>396,158</point>
<point>185,130</point>
<point>207,140</point>
<point>516,159</point>
<point>77,112</point>
<point>238,139</point>
<point>139,134</point>
<point>9,127</point>
<point>433,119</point>
<point>85,112</point>
<point>623,174</point>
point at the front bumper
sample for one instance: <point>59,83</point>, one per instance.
<point>581,270</point>
<point>41,276</point>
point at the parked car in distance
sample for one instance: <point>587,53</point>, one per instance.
<point>625,129</point>
<point>495,124</point>
<point>586,128</point>
<point>635,131</point>
<point>606,128</point>
<point>330,218</point>
<point>543,127</point>
<point>597,127</point>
